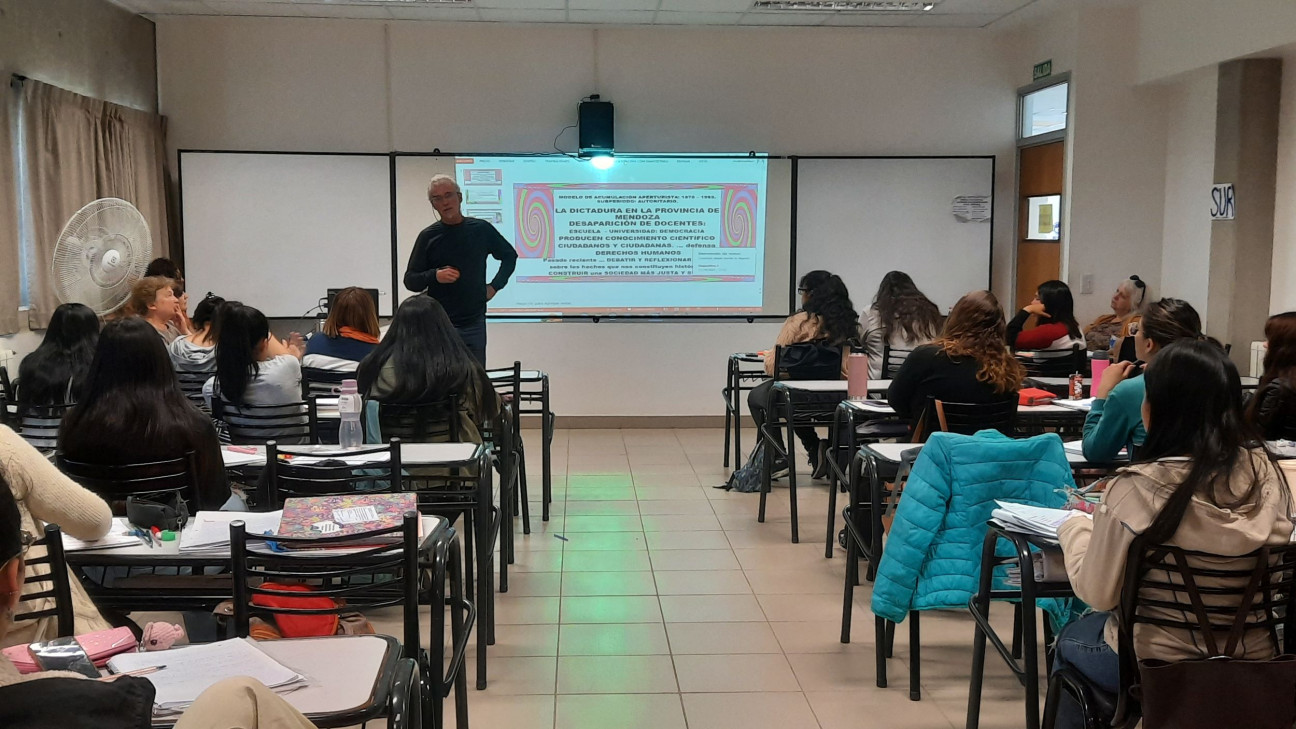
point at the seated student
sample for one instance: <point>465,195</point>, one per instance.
<point>1199,484</point>
<point>423,360</point>
<point>1127,308</point>
<point>54,374</point>
<point>1056,327</point>
<point>350,333</point>
<point>1114,421</point>
<point>154,300</point>
<point>238,702</point>
<point>197,352</point>
<point>254,367</point>
<point>967,364</point>
<point>827,316</point>
<point>46,496</point>
<point>168,268</point>
<point>134,412</point>
<point>901,318</point>
<point>1273,409</point>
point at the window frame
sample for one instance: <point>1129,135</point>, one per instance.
<point>1045,137</point>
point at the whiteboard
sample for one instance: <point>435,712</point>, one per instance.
<point>276,230</point>
<point>860,218</point>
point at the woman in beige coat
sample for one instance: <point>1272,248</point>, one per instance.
<point>46,496</point>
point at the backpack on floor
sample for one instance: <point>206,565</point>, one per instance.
<point>748,478</point>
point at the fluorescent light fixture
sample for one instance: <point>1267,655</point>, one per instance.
<point>603,161</point>
<point>849,6</point>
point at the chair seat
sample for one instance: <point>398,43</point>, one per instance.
<point>1099,705</point>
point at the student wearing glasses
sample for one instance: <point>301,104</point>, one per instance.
<point>1127,308</point>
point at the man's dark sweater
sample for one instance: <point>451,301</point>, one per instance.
<point>465,247</point>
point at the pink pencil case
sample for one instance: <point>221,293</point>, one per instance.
<point>99,646</point>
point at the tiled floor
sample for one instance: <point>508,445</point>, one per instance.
<point>667,605</point>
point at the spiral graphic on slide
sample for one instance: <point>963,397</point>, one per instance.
<point>535,221</point>
<point>739,216</point>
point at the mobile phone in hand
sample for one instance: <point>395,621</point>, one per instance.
<point>63,654</point>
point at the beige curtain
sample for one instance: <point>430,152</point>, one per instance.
<point>80,149</point>
<point>9,293</point>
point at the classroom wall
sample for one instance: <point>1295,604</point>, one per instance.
<point>1189,173</point>
<point>1181,35</point>
<point>91,47</point>
<point>1283,282</point>
<point>344,85</point>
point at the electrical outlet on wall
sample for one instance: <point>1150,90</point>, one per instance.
<point>1086,283</point>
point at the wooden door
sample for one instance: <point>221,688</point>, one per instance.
<point>1040,171</point>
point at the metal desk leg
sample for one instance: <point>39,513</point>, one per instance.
<point>729,407</point>
<point>737,426</point>
<point>791,461</point>
<point>547,435</point>
<point>980,604</point>
<point>485,568</point>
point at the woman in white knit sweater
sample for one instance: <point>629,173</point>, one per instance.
<point>46,496</point>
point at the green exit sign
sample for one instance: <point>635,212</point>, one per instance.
<point>1044,69</point>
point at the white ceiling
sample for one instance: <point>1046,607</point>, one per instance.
<point>946,14</point>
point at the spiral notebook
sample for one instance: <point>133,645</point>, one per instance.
<point>312,517</point>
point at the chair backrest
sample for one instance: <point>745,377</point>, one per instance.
<point>39,424</point>
<point>374,577</point>
<point>1058,363</point>
<point>258,424</point>
<point>323,383</point>
<point>289,478</point>
<point>191,384</point>
<point>971,418</point>
<point>892,359</point>
<point>813,360</point>
<point>1163,586</point>
<point>59,591</point>
<point>148,478</point>
<point>433,422</point>
<point>6,386</point>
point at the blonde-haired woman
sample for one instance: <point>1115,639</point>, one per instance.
<point>1127,305</point>
<point>967,364</point>
<point>153,299</point>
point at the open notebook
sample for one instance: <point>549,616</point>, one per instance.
<point>191,670</point>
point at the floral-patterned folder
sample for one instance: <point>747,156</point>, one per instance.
<point>306,517</point>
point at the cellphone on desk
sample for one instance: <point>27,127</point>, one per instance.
<point>63,654</point>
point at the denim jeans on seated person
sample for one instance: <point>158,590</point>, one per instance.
<point>1082,647</point>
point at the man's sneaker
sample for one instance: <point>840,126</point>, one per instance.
<point>820,462</point>
<point>779,469</point>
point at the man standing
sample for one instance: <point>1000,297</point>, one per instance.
<point>449,261</point>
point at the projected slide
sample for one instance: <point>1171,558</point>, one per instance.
<point>649,235</point>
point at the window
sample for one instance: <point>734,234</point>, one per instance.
<point>1044,110</point>
<point>1044,217</point>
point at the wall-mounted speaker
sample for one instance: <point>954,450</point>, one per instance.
<point>594,129</point>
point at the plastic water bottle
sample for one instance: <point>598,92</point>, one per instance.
<point>857,378</point>
<point>350,435</point>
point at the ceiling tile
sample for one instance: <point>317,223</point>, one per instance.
<point>609,5</point>
<point>524,16</point>
<point>523,4</point>
<point>171,7</point>
<point>612,17</point>
<point>667,17</point>
<point>431,12</point>
<point>707,6</point>
<point>872,20</point>
<point>784,18</point>
<point>343,10</point>
<point>1001,7</point>
<point>251,7</point>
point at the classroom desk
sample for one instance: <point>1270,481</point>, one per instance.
<point>411,454</point>
<point>537,395</point>
<point>340,693</point>
<point>743,368</point>
<point>1027,670</point>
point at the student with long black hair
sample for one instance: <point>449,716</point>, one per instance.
<point>134,412</point>
<point>197,352</point>
<point>54,374</point>
<point>826,316</point>
<point>254,367</point>
<point>902,318</point>
<point>1055,324</point>
<point>1200,483</point>
<point>422,359</point>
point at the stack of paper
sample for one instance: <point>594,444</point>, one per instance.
<point>1036,520</point>
<point>118,536</point>
<point>1076,447</point>
<point>358,459</point>
<point>209,530</point>
<point>1084,405</point>
<point>191,670</point>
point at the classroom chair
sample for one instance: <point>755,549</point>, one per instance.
<point>156,480</point>
<point>971,418</point>
<point>373,577</point>
<point>510,390</point>
<point>1161,588</point>
<point>290,423</point>
<point>191,384</point>
<point>39,424</point>
<point>1056,363</point>
<point>892,359</point>
<point>286,479</point>
<point>59,591</point>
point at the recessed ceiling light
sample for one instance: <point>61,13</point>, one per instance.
<point>857,6</point>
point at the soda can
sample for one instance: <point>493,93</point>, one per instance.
<point>1077,387</point>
